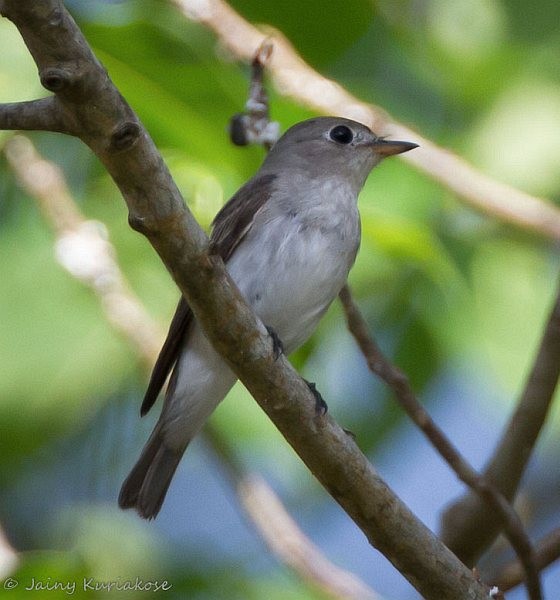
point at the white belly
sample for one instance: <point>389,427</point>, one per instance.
<point>294,277</point>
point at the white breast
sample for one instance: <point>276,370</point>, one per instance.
<point>294,261</point>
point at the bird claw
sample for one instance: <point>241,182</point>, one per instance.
<point>321,407</point>
<point>277,346</point>
<point>350,434</point>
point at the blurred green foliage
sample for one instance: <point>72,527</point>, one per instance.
<point>441,285</point>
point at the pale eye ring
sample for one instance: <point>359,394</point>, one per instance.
<point>341,134</point>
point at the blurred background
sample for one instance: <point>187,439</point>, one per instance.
<point>457,299</point>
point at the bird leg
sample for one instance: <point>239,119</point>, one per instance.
<point>321,407</point>
<point>277,346</point>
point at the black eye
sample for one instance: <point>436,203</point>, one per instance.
<point>341,134</point>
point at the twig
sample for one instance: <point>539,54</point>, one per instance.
<point>468,525</point>
<point>254,125</point>
<point>91,260</point>
<point>294,78</point>
<point>547,550</point>
<point>404,394</point>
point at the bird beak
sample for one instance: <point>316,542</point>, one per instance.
<point>389,147</point>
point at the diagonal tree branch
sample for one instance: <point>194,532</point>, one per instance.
<point>83,249</point>
<point>108,125</point>
<point>547,550</point>
<point>488,494</point>
<point>469,526</point>
<point>293,77</point>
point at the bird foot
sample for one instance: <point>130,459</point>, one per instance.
<point>349,433</point>
<point>277,346</point>
<point>321,407</point>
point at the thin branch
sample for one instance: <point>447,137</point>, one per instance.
<point>254,125</point>
<point>156,209</point>
<point>281,533</point>
<point>398,382</point>
<point>82,247</point>
<point>294,78</point>
<point>294,549</point>
<point>44,114</point>
<point>94,264</point>
<point>547,550</point>
<point>468,525</point>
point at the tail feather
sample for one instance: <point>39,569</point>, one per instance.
<point>146,486</point>
<point>198,383</point>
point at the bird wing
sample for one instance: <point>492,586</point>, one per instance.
<point>236,217</point>
<point>230,226</point>
<point>168,354</point>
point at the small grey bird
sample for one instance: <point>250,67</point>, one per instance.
<point>289,237</point>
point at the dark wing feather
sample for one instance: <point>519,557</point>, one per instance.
<point>168,353</point>
<point>229,227</point>
<point>236,217</point>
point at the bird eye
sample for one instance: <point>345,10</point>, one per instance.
<point>341,134</point>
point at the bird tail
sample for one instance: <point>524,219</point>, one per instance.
<point>146,486</point>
